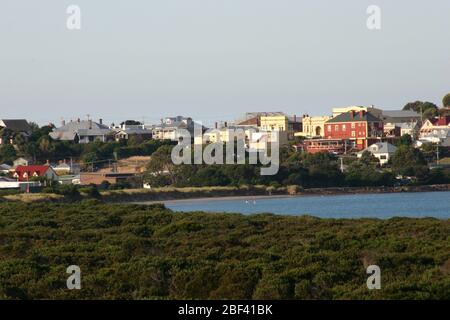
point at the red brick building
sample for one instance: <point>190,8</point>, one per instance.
<point>362,128</point>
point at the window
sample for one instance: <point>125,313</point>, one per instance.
<point>329,128</point>
<point>353,125</point>
<point>353,133</point>
<point>336,128</point>
<point>343,127</point>
<point>383,157</point>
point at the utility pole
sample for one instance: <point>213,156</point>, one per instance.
<point>437,153</point>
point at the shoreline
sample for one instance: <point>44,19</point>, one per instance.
<point>168,194</point>
<point>257,192</point>
<point>262,197</point>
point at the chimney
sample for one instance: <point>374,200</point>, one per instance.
<point>361,113</point>
<point>352,114</point>
<point>215,125</point>
<point>100,121</point>
<point>63,123</point>
<point>78,120</point>
<point>295,118</point>
<point>90,124</point>
<point>226,124</point>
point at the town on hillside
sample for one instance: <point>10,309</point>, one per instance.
<point>87,152</point>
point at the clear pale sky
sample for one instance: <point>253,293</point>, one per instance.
<point>216,59</point>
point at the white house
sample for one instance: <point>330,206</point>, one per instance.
<point>380,150</point>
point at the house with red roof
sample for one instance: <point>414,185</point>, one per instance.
<point>26,173</point>
<point>436,130</point>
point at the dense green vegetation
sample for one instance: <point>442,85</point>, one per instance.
<point>446,100</point>
<point>305,170</point>
<point>149,252</point>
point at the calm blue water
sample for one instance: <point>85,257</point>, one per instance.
<point>422,204</point>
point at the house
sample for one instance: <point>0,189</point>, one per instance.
<point>17,126</point>
<point>22,162</point>
<point>436,130</point>
<point>26,173</point>
<point>313,127</point>
<point>252,137</point>
<point>66,168</point>
<point>170,128</point>
<point>81,131</point>
<point>5,168</point>
<point>286,125</point>
<point>380,150</point>
<point>361,128</point>
<point>399,129</point>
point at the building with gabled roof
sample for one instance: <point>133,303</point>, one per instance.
<point>380,150</point>
<point>82,131</point>
<point>362,128</point>
<point>17,126</point>
<point>26,173</point>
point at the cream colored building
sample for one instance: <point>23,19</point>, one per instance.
<point>282,123</point>
<point>313,127</point>
<point>274,122</point>
<point>254,139</point>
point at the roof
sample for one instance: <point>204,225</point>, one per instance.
<point>380,147</point>
<point>31,171</point>
<point>38,169</point>
<point>354,117</point>
<point>5,166</point>
<point>62,166</point>
<point>81,128</point>
<point>63,135</point>
<point>401,114</point>
<point>18,125</point>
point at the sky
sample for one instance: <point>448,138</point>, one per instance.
<point>217,59</point>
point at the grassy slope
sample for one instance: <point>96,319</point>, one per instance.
<point>141,252</point>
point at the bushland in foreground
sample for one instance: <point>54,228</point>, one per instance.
<point>150,252</point>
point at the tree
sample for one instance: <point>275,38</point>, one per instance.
<point>131,123</point>
<point>364,172</point>
<point>446,100</point>
<point>7,153</point>
<point>404,140</point>
<point>427,109</point>
<point>160,169</point>
<point>408,161</point>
